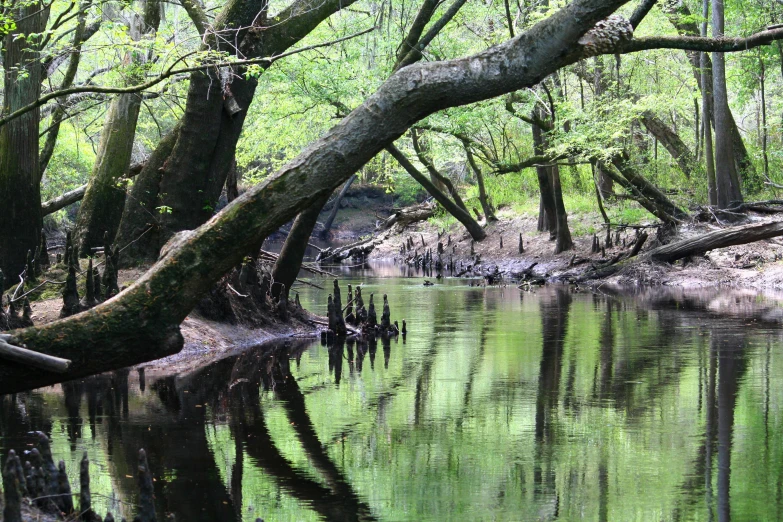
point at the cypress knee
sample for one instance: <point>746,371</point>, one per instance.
<point>70,294</point>
<point>339,322</point>
<point>386,316</point>
<point>85,497</point>
<point>65,500</point>
<point>12,511</point>
<point>372,318</point>
<point>146,492</point>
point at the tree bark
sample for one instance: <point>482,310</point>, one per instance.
<point>20,192</point>
<point>59,112</point>
<point>726,178</point>
<point>336,208</point>
<point>141,323</point>
<point>290,259</point>
<point>546,209</point>
<point>706,102</point>
<point>718,239</point>
<point>194,172</point>
<point>671,141</point>
<point>643,191</point>
<point>486,206</point>
<point>101,208</point>
<point>473,228</point>
<point>682,19</point>
<point>563,241</point>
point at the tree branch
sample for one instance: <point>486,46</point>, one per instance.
<point>168,74</point>
<point>697,43</point>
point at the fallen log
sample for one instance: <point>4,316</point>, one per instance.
<point>694,246</point>
<point>718,239</point>
<point>394,223</point>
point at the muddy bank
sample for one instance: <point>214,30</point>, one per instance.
<point>755,265</point>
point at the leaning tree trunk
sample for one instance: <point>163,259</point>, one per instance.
<point>289,262</point>
<point>101,208</point>
<point>189,180</point>
<point>472,226</point>
<point>671,142</point>
<point>141,323</point>
<point>336,208</point>
<point>20,179</point>
<point>726,177</point>
<point>486,206</point>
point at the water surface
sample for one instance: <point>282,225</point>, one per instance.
<point>499,405</point>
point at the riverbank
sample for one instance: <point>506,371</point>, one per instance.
<point>207,339</point>
<point>754,265</point>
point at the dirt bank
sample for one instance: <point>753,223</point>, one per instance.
<point>206,340</point>
<point>755,265</point>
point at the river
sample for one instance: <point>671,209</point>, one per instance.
<point>500,404</point>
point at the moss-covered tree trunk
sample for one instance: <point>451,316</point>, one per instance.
<point>289,262</point>
<point>103,201</point>
<point>141,323</point>
<point>188,182</point>
<point>20,178</point>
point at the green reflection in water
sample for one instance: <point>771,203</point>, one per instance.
<point>499,405</point>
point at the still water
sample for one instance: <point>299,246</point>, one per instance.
<point>499,405</point>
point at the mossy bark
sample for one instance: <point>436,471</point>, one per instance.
<point>190,178</point>
<point>20,193</point>
<point>104,198</point>
<point>290,260</point>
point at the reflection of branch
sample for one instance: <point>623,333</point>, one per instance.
<point>294,404</point>
<point>169,73</point>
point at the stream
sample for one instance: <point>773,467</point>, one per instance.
<point>499,404</point>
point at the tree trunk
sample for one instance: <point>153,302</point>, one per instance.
<point>59,112</point>
<point>706,102</point>
<point>486,206</point>
<point>194,172</point>
<point>643,191</point>
<point>289,262</point>
<point>605,182</point>
<point>547,219</point>
<point>718,239</point>
<point>726,177</point>
<point>101,208</point>
<point>20,192</point>
<point>475,230</point>
<point>141,323</point>
<point>564,241</point>
<point>671,141</point>
<point>333,214</point>
<point>140,223</point>
<point>681,18</point>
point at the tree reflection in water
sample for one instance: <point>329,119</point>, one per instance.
<point>555,405</point>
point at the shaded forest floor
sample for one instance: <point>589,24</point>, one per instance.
<point>756,265</point>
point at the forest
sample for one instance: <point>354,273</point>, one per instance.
<point>176,137</point>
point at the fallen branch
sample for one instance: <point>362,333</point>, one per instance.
<point>71,197</point>
<point>30,358</point>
